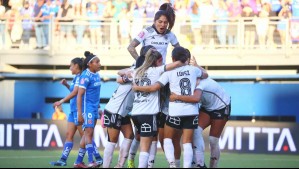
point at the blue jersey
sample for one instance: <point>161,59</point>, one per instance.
<point>91,82</point>
<point>73,101</point>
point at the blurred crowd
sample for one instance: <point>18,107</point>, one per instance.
<point>210,21</point>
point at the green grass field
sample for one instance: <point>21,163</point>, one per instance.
<point>41,159</point>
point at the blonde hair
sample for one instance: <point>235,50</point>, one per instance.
<point>151,56</point>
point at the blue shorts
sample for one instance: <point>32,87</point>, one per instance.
<point>73,118</point>
<point>90,119</point>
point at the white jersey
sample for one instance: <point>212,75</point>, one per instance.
<point>121,101</point>
<point>149,36</point>
<point>147,103</point>
<point>182,81</point>
<point>213,96</point>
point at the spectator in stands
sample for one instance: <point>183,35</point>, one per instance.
<point>95,26</point>
<point>221,15</point>
<point>196,24</point>
<point>108,13</point>
<point>262,24</point>
<point>295,9</point>
<point>249,30</point>
<point>119,5</point>
<point>207,14</point>
<point>2,25</point>
<point>235,10</point>
<point>137,14</point>
<point>285,14</point>
<point>58,114</point>
<point>14,27</point>
<point>65,17</point>
<point>124,28</point>
<point>39,33</point>
<point>275,8</point>
<point>26,14</point>
<point>79,21</point>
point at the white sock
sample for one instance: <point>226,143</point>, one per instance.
<point>188,155</point>
<point>108,154</point>
<point>199,147</point>
<point>133,150</point>
<point>124,151</point>
<point>215,151</point>
<point>169,150</point>
<point>178,163</point>
<point>152,156</point>
<point>143,159</point>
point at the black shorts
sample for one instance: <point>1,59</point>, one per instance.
<point>115,120</point>
<point>222,114</point>
<point>183,122</point>
<point>161,117</point>
<point>146,125</point>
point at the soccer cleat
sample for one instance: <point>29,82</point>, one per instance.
<point>80,165</point>
<point>92,165</point>
<point>172,165</point>
<point>99,161</point>
<point>131,164</point>
<point>58,163</point>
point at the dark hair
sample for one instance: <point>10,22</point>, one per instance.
<point>79,62</point>
<point>188,53</point>
<point>141,58</point>
<point>167,10</point>
<point>180,53</point>
<point>88,57</point>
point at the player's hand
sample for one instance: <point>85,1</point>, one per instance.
<point>173,97</point>
<point>63,82</point>
<point>80,119</point>
<point>56,104</point>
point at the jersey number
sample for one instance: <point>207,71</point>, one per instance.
<point>144,82</point>
<point>185,87</point>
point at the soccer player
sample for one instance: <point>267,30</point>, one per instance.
<point>116,117</point>
<point>88,99</point>
<point>182,116</point>
<point>76,67</point>
<point>159,34</point>
<point>215,111</point>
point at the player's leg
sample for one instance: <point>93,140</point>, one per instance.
<point>135,144</point>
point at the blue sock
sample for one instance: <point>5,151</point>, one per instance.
<point>81,155</point>
<point>66,150</point>
<point>90,149</point>
<point>96,152</point>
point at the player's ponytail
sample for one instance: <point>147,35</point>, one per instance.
<point>167,10</point>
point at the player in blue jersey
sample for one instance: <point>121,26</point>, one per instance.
<point>88,99</point>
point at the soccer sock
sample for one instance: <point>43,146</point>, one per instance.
<point>133,150</point>
<point>143,159</point>
<point>178,163</point>
<point>66,150</point>
<point>188,155</point>
<point>96,151</point>
<point>108,154</point>
<point>152,156</point>
<point>199,147</point>
<point>90,149</point>
<point>169,150</point>
<point>81,155</point>
<point>124,151</point>
<point>215,151</point>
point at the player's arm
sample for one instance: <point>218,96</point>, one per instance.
<point>204,72</point>
<point>68,97</point>
<point>173,65</point>
<point>195,98</point>
<point>64,83</point>
<point>123,71</point>
<point>132,48</point>
<point>151,88</point>
<point>81,92</point>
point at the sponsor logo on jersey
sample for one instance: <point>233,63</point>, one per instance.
<point>141,34</point>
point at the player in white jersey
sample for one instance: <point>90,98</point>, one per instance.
<point>159,34</point>
<point>147,105</point>
<point>116,117</point>
<point>182,116</point>
<point>215,111</point>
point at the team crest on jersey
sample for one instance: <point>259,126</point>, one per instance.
<point>89,121</point>
<point>141,34</point>
<point>82,81</point>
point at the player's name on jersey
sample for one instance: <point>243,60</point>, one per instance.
<point>184,73</point>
